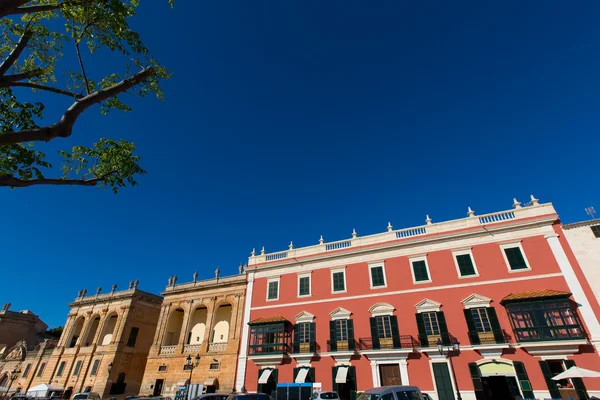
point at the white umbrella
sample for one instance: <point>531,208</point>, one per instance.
<point>576,372</point>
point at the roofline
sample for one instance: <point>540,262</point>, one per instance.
<point>206,284</point>
<point>122,295</point>
<point>579,224</point>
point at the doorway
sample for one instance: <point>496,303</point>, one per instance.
<point>500,387</point>
<point>390,375</point>
<point>158,386</point>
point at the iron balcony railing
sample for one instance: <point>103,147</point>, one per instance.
<point>496,336</point>
<point>549,333</point>
<point>393,342</point>
<point>342,345</point>
<point>268,348</point>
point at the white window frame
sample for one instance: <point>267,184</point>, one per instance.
<point>306,275</point>
<point>274,279</point>
<point>412,270</point>
<point>462,252</point>
<point>376,265</point>
<point>509,246</point>
<point>333,271</point>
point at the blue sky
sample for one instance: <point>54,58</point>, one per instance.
<point>288,120</point>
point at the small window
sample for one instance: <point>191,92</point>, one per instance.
<point>420,271</point>
<point>515,258</point>
<point>303,286</point>
<point>481,319</point>
<point>162,368</point>
<point>26,372</point>
<point>213,366</point>
<point>95,368</point>
<point>431,323</point>
<point>338,279</point>
<point>77,368</point>
<point>61,368</point>
<point>273,290</point>
<point>465,265</point>
<point>384,326</point>
<point>596,230</point>
<point>133,334</point>
<point>41,370</point>
<point>341,329</point>
<point>377,275</point>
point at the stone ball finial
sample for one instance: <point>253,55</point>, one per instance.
<point>291,245</point>
<point>253,254</point>
<point>390,227</point>
<point>262,251</point>
<point>534,201</point>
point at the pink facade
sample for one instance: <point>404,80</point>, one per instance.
<point>397,289</point>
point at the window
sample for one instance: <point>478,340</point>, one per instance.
<point>596,230</point>
<point>481,319</point>
<point>377,275</point>
<point>338,281</point>
<point>268,338</point>
<point>26,372</point>
<point>541,320</point>
<point>420,271</point>
<point>61,368</point>
<point>273,289</point>
<point>303,285</point>
<point>514,257</point>
<point>431,323</point>
<point>304,332</point>
<point>133,334</point>
<point>384,326</point>
<point>465,265</point>
<point>341,329</point>
<point>95,368</point>
<point>213,366</point>
<point>77,368</point>
<point>41,370</point>
<point>162,368</point>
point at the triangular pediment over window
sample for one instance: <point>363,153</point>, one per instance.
<point>427,305</point>
<point>340,313</point>
<point>476,300</point>
<point>304,316</point>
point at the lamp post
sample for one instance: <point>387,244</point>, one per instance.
<point>451,351</point>
<point>191,365</point>
<point>14,374</point>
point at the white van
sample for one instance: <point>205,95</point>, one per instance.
<point>86,396</point>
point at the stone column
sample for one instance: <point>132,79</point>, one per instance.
<point>375,374</point>
<point>161,324</point>
<point>67,330</point>
<point>104,313</point>
<point>187,315</point>
<point>404,372</point>
<point>120,326</point>
<point>210,318</point>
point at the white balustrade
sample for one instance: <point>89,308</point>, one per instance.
<point>277,256</point>
<point>168,349</point>
<point>217,346</point>
<point>192,348</point>
<point>338,245</point>
<point>410,232</point>
<point>497,217</point>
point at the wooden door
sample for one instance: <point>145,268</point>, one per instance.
<point>390,374</point>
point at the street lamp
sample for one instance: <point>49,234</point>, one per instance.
<point>14,374</point>
<point>451,351</point>
<point>191,365</point>
<point>109,367</point>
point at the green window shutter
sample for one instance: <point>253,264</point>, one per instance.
<point>350,334</point>
<point>311,375</point>
<point>332,336</point>
<point>523,380</point>
<point>473,334</point>
<point>377,276</point>
<point>554,393</point>
<point>420,271</point>
<point>333,374</point>
<point>465,265</point>
<point>477,383</point>
<point>577,382</point>
<point>443,328</point>
<point>374,332</point>
<point>313,337</point>
<point>515,258</point>
<point>495,325</point>
<point>296,371</point>
<point>296,343</point>
<point>422,332</point>
<point>395,331</point>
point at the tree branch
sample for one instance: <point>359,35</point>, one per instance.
<point>11,181</point>
<point>13,7</point>
<point>87,84</point>
<point>4,80</point>
<point>41,87</point>
<point>64,127</point>
<point>14,55</point>
<point>7,6</point>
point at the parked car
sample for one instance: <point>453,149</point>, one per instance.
<point>87,396</point>
<point>249,396</point>
<point>19,397</point>
<point>392,393</point>
<point>212,396</point>
<point>426,396</point>
<point>325,396</point>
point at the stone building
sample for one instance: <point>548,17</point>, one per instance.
<point>584,239</point>
<point>200,320</point>
<point>103,347</point>
<point>18,326</point>
<point>24,359</point>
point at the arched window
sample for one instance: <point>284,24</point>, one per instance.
<point>220,332</point>
<point>109,329</point>
<point>198,326</point>
<point>77,327</point>
<point>174,328</point>
<point>41,370</point>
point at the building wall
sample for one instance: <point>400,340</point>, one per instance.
<point>549,266</point>
<point>586,248</point>
<point>17,326</point>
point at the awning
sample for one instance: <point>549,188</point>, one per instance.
<point>44,387</point>
<point>264,377</point>
<point>341,375</point>
<point>576,372</point>
<point>301,377</point>
<point>210,382</point>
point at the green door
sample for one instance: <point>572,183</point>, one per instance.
<point>443,384</point>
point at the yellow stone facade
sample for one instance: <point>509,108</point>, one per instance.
<point>197,318</point>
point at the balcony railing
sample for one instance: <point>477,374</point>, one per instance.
<point>168,349</point>
<point>496,336</point>
<point>342,345</point>
<point>268,348</point>
<point>191,348</point>
<point>394,342</point>
<point>217,346</point>
<point>309,347</point>
<point>549,333</point>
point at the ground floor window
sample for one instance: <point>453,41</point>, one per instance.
<point>267,381</point>
<point>344,381</point>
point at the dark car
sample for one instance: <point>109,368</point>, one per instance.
<point>249,396</point>
<point>212,396</point>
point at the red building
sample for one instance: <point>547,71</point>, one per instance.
<point>376,310</point>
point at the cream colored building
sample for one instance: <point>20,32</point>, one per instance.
<point>17,326</point>
<point>198,319</point>
<point>584,239</point>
